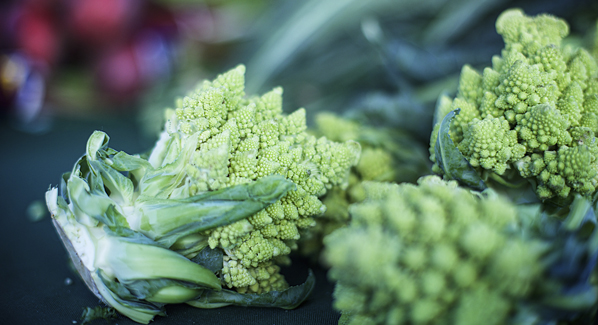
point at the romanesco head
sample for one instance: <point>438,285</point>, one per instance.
<point>528,106</point>
<point>491,144</point>
<point>387,155</point>
<point>432,253</point>
<point>529,34</point>
<point>222,138</point>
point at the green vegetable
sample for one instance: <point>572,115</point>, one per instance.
<point>436,253</point>
<point>216,203</point>
<point>120,238</point>
<point>387,155</point>
<point>533,115</point>
<point>240,140</point>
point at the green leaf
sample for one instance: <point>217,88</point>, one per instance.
<point>124,162</point>
<point>64,193</point>
<point>286,299</point>
<point>121,188</point>
<point>210,258</point>
<point>167,220</point>
<point>163,290</point>
<point>131,260</point>
<point>129,235</point>
<point>581,214</point>
<point>135,166</point>
<point>450,159</point>
<point>578,301</point>
<point>190,246</point>
<point>92,204</point>
<point>160,182</point>
<point>97,142</point>
<point>119,297</point>
<point>116,222</point>
<point>92,177</point>
<point>190,241</point>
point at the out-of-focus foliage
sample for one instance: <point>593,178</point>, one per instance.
<point>381,62</point>
<point>321,26</point>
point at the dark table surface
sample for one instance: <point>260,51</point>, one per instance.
<point>34,269</point>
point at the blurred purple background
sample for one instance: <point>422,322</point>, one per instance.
<point>105,58</point>
<point>86,57</point>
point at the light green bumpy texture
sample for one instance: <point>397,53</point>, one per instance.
<point>387,155</point>
<point>432,253</point>
<point>237,140</point>
<point>534,110</point>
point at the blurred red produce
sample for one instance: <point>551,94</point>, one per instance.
<point>36,34</point>
<point>100,23</point>
<point>123,72</point>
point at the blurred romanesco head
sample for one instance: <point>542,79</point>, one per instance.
<point>534,111</point>
<point>230,139</point>
<point>435,253</point>
<point>387,155</point>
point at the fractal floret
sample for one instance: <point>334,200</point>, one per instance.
<point>436,253</point>
<point>236,140</point>
<point>387,155</point>
<point>533,113</point>
<point>207,216</point>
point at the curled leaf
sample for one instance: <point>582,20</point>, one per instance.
<point>210,258</point>
<point>97,142</point>
<point>450,159</point>
<point>182,217</point>
<point>116,295</point>
<point>286,299</point>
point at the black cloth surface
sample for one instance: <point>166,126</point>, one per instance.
<point>34,268</point>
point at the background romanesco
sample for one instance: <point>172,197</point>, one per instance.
<point>534,111</point>
<point>435,253</point>
<point>387,155</point>
<point>229,139</point>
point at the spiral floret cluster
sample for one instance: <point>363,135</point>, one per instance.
<point>545,93</point>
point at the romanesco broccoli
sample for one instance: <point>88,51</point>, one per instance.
<point>387,155</point>
<point>217,203</point>
<point>436,253</point>
<point>237,140</point>
<point>528,111</point>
